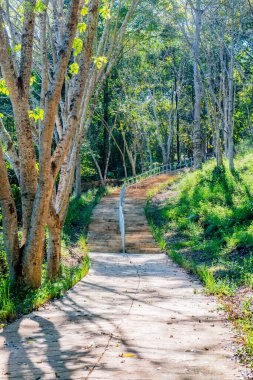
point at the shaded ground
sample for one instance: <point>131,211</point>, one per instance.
<point>133,317</point>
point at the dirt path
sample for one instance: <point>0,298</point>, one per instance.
<point>136,317</point>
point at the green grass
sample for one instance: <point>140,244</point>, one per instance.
<point>207,228</point>
<point>15,301</point>
<point>78,217</point>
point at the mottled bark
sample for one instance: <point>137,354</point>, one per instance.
<point>10,224</point>
<point>197,90</point>
<point>78,187</point>
<point>54,246</point>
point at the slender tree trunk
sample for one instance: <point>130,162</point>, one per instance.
<point>177,121</point>
<point>130,156</point>
<point>218,143</point>
<point>97,166</point>
<point>54,248</point>
<point>231,95</point>
<point>10,223</point>
<point>197,90</point>
<point>107,158</point>
<point>106,137</point>
<point>143,164</point>
<point>78,185</point>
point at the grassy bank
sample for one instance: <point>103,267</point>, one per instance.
<point>15,302</point>
<point>205,223</point>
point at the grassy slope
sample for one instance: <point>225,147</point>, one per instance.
<point>14,302</point>
<point>207,228</point>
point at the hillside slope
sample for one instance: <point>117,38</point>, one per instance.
<point>205,222</point>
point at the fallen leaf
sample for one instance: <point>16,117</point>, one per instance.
<point>127,355</point>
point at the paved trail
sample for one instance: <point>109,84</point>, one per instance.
<point>133,317</point>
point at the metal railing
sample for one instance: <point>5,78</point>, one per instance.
<point>159,170</point>
<point>134,181</point>
<point>121,216</point>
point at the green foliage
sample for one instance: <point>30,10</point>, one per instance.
<point>39,7</point>
<point>104,10</point>
<point>84,11</point>
<point>17,48</point>
<point>81,27</point>
<point>78,45</point>
<point>79,213</point>
<point>207,228</point>
<point>3,262</point>
<point>99,61</point>
<point>74,68</point>
<point>36,114</point>
<point>16,301</point>
<point>32,80</point>
<point>3,88</point>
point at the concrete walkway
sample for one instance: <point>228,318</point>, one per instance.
<point>136,317</point>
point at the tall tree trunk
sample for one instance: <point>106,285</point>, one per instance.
<point>10,223</point>
<point>106,137</point>
<point>78,185</point>
<point>97,166</point>
<point>177,121</point>
<point>54,247</point>
<point>107,158</point>
<point>231,94</point>
<point>197,90</point>
<point>218,142</point>
<point>131,158</point>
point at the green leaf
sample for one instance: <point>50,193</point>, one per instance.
<point>99,61</point>
<point>32,80</point>
<point>39,7</point>
<point>81,27</point>
<point>17,48</point>
<point>77,46</point>
<point>104,10</point>
<point>74,68</point>
<point>36,114</point>
<point>3,88</point>
<point>84,11</point>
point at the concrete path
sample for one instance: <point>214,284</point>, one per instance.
<point>137,317</point>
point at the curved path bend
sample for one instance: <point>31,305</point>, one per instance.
<point>133,317</point>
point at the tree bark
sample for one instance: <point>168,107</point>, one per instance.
<point>197,90</point>
<point>78,185</point>
<point>10,223</point>
<point>54,247</point>
<point>231,94</point>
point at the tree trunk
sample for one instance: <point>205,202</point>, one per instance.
<point>218,143</point>
<point>177,122</point>
<point>106,135</point>
<point>197,90</point>
<point>53,250</point>
<point>231,95</point>
<point>78,185</point>
<point>130,156</point>
<point>10,223</point>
